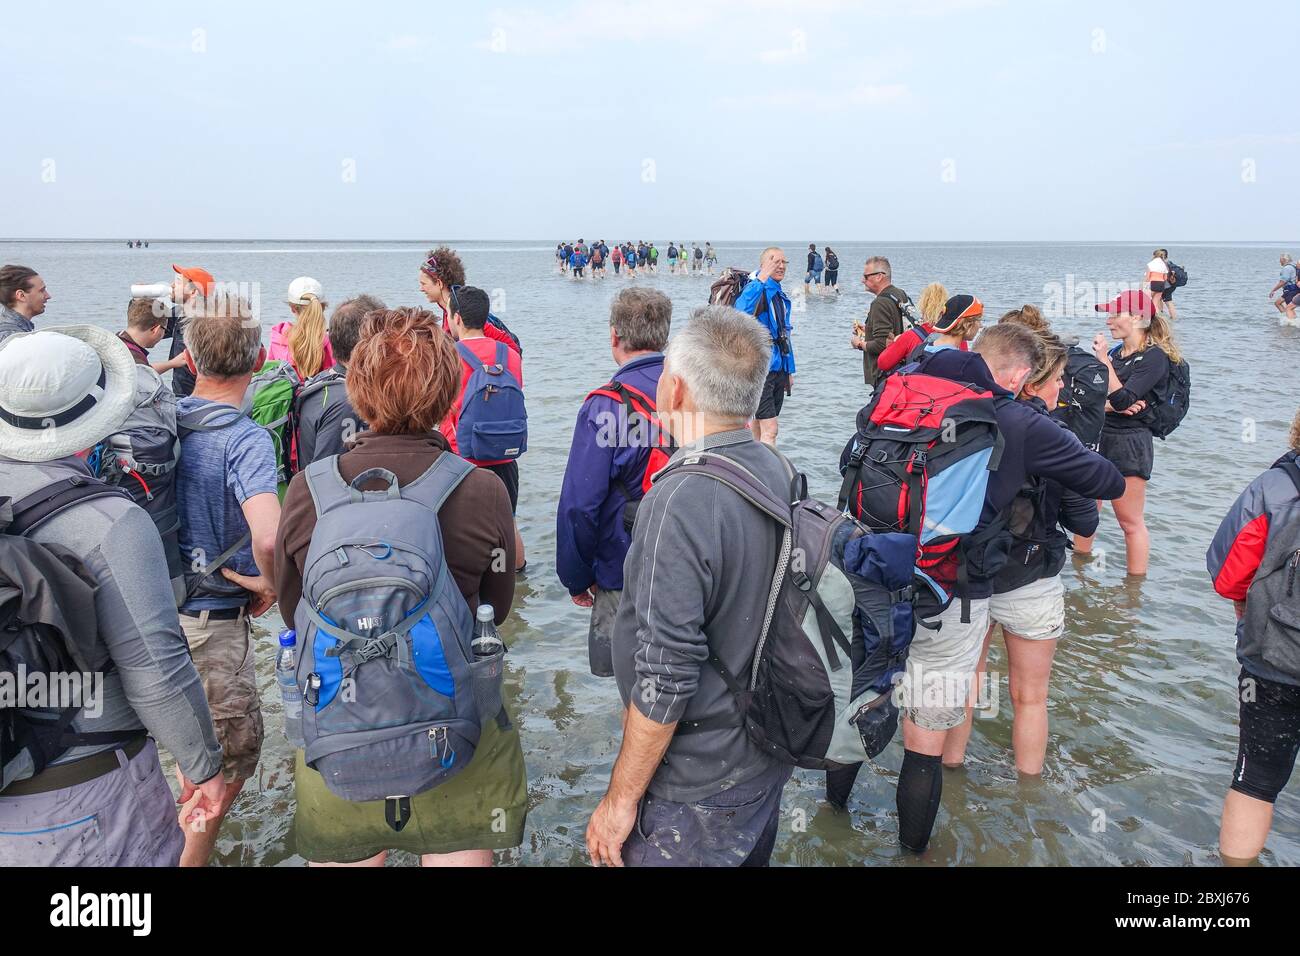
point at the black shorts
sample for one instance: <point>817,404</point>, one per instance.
<point>1269,738</point>
<point>509,475</point>
<point>769,406</point>
<point>832,276</point>
<point>1165,288</point>
<point>1289,293</point>
<point>1131,450</point>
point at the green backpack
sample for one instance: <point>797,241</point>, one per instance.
<point>269,401</point>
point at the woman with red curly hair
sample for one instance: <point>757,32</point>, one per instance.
<point>403,378</point>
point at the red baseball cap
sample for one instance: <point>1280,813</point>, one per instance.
<point>200,277</point>
<point>1134,302</point>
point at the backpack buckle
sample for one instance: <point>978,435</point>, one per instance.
<point>376,647</point>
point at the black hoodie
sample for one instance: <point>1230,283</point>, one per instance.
<point>1033,445</point>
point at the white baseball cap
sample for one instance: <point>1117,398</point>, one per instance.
<point>62,390</point>
<point>302,287</point>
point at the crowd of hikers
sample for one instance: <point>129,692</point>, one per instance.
<point>594,260</point>
<point>362,473</point>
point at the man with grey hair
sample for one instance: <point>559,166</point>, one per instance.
<point>884,320</point>
<point>764,299</point>
<point>689,788</point>
<point>611,460</point>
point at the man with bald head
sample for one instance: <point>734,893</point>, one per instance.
<point>765,300</point>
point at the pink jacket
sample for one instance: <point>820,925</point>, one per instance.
<point>279,348</point>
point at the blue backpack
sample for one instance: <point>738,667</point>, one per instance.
<point>493,420</point>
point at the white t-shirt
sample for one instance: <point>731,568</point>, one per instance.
<point>1157,265</point>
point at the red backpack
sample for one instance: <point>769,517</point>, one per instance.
<point>919,464</point>
<point>639,407</point>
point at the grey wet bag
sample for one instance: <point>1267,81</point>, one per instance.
<point>390,703</point>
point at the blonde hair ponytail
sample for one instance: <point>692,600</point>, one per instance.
<point>307,338</point>
<point>1161,333</point>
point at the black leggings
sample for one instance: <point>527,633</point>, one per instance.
<point>1270,736</point>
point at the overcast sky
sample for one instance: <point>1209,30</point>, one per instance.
<point>924,120</point>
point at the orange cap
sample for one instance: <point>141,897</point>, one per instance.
<point>200,277</point>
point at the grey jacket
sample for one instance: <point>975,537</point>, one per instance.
<point>154,684</point>
<point>697,576</point>
<point>11,322</point>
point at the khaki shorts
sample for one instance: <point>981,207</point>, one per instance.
<point>941,667</point>
<point>1035,612</point>
<point>223,656</point>
<point>484,807</point>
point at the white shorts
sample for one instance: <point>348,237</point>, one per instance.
<point>1035,612</point>
<point>941,667</point>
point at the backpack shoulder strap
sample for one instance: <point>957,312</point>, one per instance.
<point>470,358</point>
<point>326,484</point>
<point>746,484</point>
<point>215,564</point>
<point>736,477</point>
<point>434,487</point>
<point>207,419</point>
<point>40,506</point>
<point>321,382</point>
<point>503,355</point>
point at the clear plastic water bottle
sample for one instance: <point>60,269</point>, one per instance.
<point>290,696</point>
<point>487,642</point>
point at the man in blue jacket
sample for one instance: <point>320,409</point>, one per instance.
<point>607,468</point>
<point>765,300</point>
<point>946,659</point>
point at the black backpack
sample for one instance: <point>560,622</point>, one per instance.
<point>1081,406</point>
<point>832,263</point>
<point>1173,398</point>
<point>48,627</point>
<point>1177,275</point>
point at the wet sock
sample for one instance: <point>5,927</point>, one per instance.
<point>920,784</point>
<point>839,784</point>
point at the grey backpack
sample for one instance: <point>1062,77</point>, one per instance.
<point>393,697</point>
<point>141,459</point>
<point>1271,626</point>
<point>834,635</point>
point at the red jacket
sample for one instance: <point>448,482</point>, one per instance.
<point>897,351</point>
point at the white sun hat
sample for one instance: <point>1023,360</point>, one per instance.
<point>302,287</point>
<point>62,390</point>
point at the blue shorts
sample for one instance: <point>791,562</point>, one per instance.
<point>814,277</point>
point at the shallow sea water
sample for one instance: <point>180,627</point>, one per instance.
<point>1142,706</point>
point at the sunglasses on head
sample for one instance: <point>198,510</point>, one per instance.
<point>431,266</point>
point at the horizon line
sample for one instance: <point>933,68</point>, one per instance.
<point>177,239</point>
